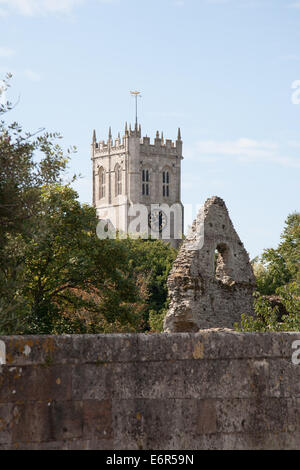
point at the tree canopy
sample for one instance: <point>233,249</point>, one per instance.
<point>278,273</point>
<point>281,266</point>
<point>56,276</point>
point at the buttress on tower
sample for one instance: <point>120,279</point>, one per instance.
<point>132,177</point>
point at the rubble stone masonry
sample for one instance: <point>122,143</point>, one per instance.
<point>211,282</point>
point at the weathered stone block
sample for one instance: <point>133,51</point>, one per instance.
<point>262,414</point>
<point>284,378</point>
<point>46,421</point>
<point>97,419</point>
<point>5,423</point>
<point>92,381</point>
<point>35,383</point>
<point>151,381</point>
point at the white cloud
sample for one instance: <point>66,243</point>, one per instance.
<point>38,7</point>
<point>41,7</point>
<point>6,51</point>
<point>243,150</point>
<point>31,75</point>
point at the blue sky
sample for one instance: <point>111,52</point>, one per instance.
<point>222,70</point>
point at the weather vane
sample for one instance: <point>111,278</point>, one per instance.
<point>136,94</point>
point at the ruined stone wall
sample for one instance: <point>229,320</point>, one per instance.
<point>206,292</point>
<point>206,390</point>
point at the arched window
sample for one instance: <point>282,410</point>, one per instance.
<point>166,182</point>
<point>118,180</point>
<point>223,263</point>
<point>145,182</point>
<point>101,183</point>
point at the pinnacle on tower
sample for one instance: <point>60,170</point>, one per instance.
<point>109,133</point>
<point>179,134</point>
<point>94,136</point>
<point>162,137</point>
<point>157,135</point>
<point>136,129</point>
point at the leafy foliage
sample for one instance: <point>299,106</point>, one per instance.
<point>56,276</point>
<point>150,261</point>
<point>278,272</point>
<point>266,318</point>
<point>65,261</point>
<point>278,267</point>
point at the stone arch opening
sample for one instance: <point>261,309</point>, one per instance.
<point>222,263</point>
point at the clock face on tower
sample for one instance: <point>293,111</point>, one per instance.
<point>157,220</point>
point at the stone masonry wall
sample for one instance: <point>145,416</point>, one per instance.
<point>215,389</point>
<point>204,292</point>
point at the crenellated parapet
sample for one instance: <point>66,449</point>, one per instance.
<point>104,148</point>
<point>159,146</point>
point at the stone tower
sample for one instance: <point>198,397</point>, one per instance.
<point>211,283</point>
<point>136,184</point>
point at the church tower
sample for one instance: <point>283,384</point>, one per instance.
<point>136,184</point>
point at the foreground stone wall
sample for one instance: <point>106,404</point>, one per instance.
<point>206,390</point>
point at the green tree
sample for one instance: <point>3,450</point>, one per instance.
<point>278,267</point>
<point>149,264</point>
<point>69,270</point>
<point>22,175</point>
<point>278,272</point>
<point>266,316</point>
<point>55,274</point>
<point>27,162</point>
